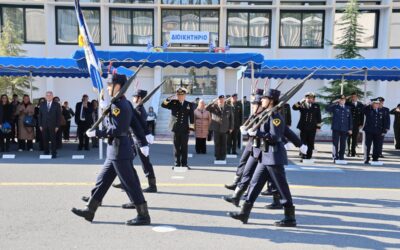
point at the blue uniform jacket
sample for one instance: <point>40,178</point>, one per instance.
<point>341,117</point>
<point>272,132</point>
<point>141,111</point>
<point>386,115</point>
<point>182,115</point>
<point>375,122</point>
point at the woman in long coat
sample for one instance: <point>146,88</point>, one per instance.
<point>25,133</point>
<point>202,119</point>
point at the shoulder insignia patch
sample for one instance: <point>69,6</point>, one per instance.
<point>276,122</point>
<point>116,111</point>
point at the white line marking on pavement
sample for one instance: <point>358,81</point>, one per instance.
<point>8,156</point>
<point>313,168</point>
<point>78,157</point>
<point>164,229</point>
<point>176,177</point>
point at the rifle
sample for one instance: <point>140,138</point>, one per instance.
<point>148,96</point>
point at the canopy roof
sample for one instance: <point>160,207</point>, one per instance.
<point>331,69</point>
<point>175,59</point>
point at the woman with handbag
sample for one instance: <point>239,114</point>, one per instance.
<point>5,131</point>
<point>26,123</point>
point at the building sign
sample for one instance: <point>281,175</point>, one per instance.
<point>189,37</point>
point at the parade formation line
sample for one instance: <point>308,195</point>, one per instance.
<point>39,184</point>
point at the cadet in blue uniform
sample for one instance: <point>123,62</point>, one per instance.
<point>357,114</point>
<point>342,125</point>
<point>274,158</point>
<point>310,121</point>
<point>119,157</point>
<point>386,115</point>
<point>375,128</point>
<point>182,122</point>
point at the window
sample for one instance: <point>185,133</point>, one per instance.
<point>82,1</point>
<point>240,2</point>
<point>249,29</point>
<point>191,20</point>
<point>302,29</point>
<point>395,29</point>
<point>131,1</point>
<point>131,27</point>
<point>28,22</point>
<point>191,2</point>
<point>67,26</point>
<point>368,21</point>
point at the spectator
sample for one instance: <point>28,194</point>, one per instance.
<point>234,136</point>
<point>83,118</point>
<point>38,138</point>
<point>14,124</point>
<point>26,123</point>
<point>151,120</point>
<point>62,125</point>
<point>202,120</point>
<point>49,123</point>
<point>246,108</point>
<point>95,117</point>
<point>6,121</point>
<point>67,113</point>
<point>396,125</point>
<point>196,103</point>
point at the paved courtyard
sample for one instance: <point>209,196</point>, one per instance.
<point>353,206</point>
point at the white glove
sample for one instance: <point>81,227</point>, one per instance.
<point>303,149</point>
<point>289,146</point>
<point>103,104</point>
<point>243,130</point>
<point>91,133</point>
<point>252,132</point>
<point>145,150</point>
<point>150,138</point>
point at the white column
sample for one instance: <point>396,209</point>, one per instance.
<point>221,82</point>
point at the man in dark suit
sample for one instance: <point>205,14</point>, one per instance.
<point>234,136</point>
<point>357,113</point>
<point>221,123</point>
<point>84,119</point>
<point>49,123</point>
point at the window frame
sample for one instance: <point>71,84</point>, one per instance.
<point>23,7</point>
<point>302,12</point>
<point>376,30</point>
<point>269,11</point>
<point>72,8</point>
<point>394,47</point>
<point>131,10</point>
<point>180,25</point>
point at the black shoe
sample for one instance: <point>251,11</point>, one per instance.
<point>235,198</point>
<point>186,166</point>
<point>244,214</point>
<point>119,185</point>
<point>129,205</point>
<point>289,220</point>
<point>53,156</point>
<point>276,203</point>
<point>85,198</point>
<point>89,211</point>
<point>143,217</point>
<point>152,186</point>
<point>234,184</point>
<point>267,192</point>
<point>175,166</point>
<point>366,162</point>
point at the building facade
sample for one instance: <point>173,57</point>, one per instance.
<point>276,29</point>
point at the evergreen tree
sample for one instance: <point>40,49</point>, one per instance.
<point>348,49</point>
<point>10,45</point>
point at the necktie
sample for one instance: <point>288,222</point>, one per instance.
<point>82,115</point>
<point>48,106</point>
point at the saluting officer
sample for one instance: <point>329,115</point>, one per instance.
<point>310,121</point>
<point>342,125</point>
<point>396,125</point>
<point>233,137</point>
<point>182,121</point>
<point>119,161</point>
<point>386,115</point>
<point>357,114</point>
<point>375,128</point>
<point>274,158</point>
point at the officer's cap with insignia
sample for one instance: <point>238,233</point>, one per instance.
<point>381,99</point>
<point>259,92</point>
<point>341,97</point>
<point>256,100</point>
<point>375,100</point>
<point>181,91</point>
<point>221,96</point>
<point>235,95</point>
<point>140,93</point>
<point>118,79</point>
<point>310,94</point>
<point>227,96</point>
<point>273,94</point>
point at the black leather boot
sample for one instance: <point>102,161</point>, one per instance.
<point>289,220</point>
<point>276,203</point>
<point>87,198</point>
<point>243,215</point>
<point>235,198</point>
<point>119,185</point>
<point>143,217</point>
<point>234,184</point>
<point>89,211</point>
<point>129,205</point>
<point>152,186</point>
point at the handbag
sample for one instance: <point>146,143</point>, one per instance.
<point>29,121</point>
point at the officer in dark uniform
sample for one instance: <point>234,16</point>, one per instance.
<point>234,136</point>
<point>182,122</point>
<point>310,121</point>
<point>396,125</point>
<point>342,125</point>
<point>386,115</point>
<point>119,157</point>
<point>357,114</point>
<point>274,158</point>
<point>246,108</point>
<point>375,128</point>
<point>221,124</point>
<point>287,114</point>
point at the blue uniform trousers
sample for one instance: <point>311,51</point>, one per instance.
<point>248,172</point>
<point>127,175</point>
<point>146,164</point>
<point>242,162</point>
<point>339,144</point>
<point>376,139</point>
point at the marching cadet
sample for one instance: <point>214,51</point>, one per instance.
<point>342,125</point>
<point>386,115</point>
<point>396,125</point>
<point>233,137</point>
<point>274,158</point>
<point>181,123</point>
<point>375,128</point>
<point>221,123</point>
<point>357,114</point>
<point>310,121</point>
<point>119,160</point>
